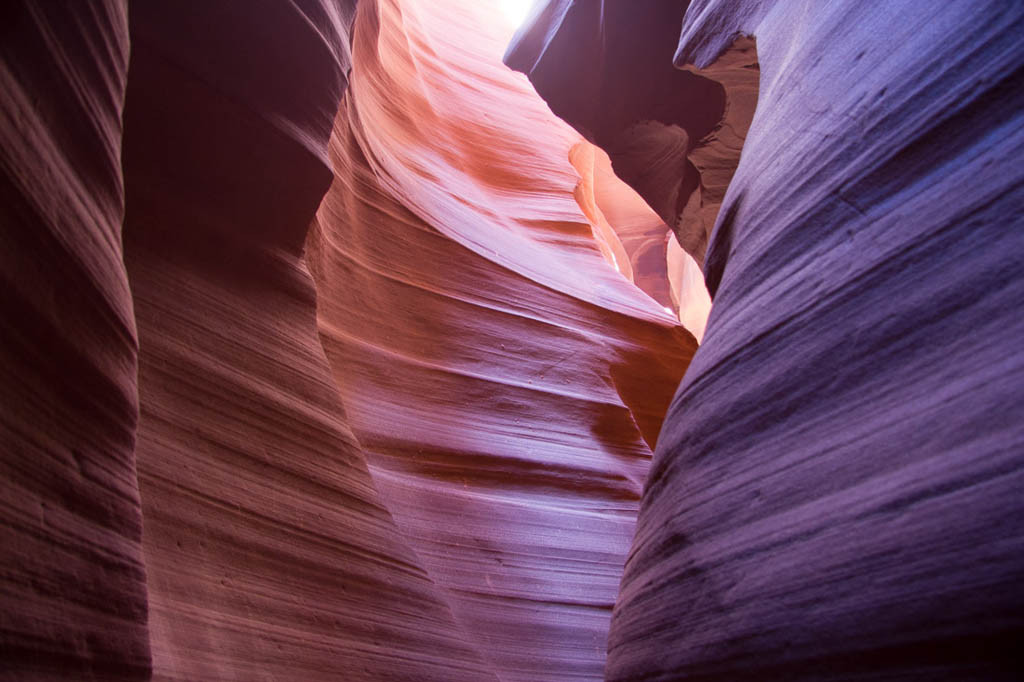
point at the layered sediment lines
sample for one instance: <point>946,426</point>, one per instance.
<point>651,257</point>
<point>835,493</point>
<point>191,489</point>
<point>269,553</point>
<point>505,382</point>
<point>72,585</point>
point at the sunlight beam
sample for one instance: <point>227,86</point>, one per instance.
<point>516,10</point>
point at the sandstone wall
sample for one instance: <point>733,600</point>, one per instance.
<point>835,494</point>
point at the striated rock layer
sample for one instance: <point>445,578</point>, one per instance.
<point>191,490</point>
<point>836,490</point>
<point>653,259</point>
<point>269,553</point>
<point>504,380</point>
<point>72,585</point>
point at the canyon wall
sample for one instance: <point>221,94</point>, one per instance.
<point>504,380</point>
<point>193,489</point>
<point>269,553</point>
<point>836,490</point>
<point>73,599</point>
<point>323,358</point>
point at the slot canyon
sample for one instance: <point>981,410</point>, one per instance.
<point>499,341</point>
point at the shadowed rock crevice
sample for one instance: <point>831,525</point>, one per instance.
<point>674,135</point>
<point>307,385</point>
<point>871,221</point>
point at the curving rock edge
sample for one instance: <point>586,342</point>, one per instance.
<point>193,488</point>
<point>336,350</point>
<point>835,493</point>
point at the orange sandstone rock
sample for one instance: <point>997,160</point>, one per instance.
<point>505,381</point>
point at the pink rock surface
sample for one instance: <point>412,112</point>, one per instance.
<point>452,495</point>
<point>360,393</point>
<point>836,490</point>
<point>269,552</point>
<point>673,135</point>
<point>504,380</point>
<point>655,261</point>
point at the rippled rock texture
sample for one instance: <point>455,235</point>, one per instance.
<point>269,553</point>
<point>505,381</point>
<point>836,491</point>
<point>73,598</point>
<point>323,359</point>
<point>193,489</point>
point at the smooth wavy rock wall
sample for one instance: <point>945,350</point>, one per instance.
<point>73,591</point>
<point>836,491</point>
<point>191,490</point>
<point>504,380</point>
<point>269,553</point>
<point>653,259</point>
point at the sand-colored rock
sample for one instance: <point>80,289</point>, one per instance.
<point>653,260</point>
<point>673,135</point>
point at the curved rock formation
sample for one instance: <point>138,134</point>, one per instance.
<point>652,259</point>
<point>269,553</point>
<point>73,599</point>
<point>673,135</point>
<point>507,389</point>
<point>835,494</point>
<point>307,384</point>
<point>504,380</point>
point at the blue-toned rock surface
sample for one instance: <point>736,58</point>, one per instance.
<point>836,493</point>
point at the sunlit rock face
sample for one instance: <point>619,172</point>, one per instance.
<point>836,490</point>
<point>269,553</point>
<point>192,488</point>
<point>504,380</point>
<point>650,256</point>
<point>673,135</point>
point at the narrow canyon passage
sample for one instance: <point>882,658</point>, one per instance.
<point>504,380</point>
<point>364,340</point>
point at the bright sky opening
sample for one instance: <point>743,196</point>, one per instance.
<point>516,10</point>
